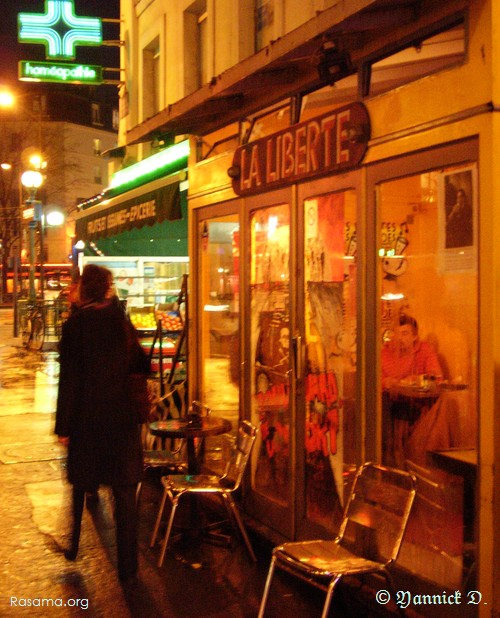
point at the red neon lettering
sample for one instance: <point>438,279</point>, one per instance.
<point>313,133</point>
<point>328,127</point>
<point>287,162</point>
<point>342,153</point>
<point>300,150</point>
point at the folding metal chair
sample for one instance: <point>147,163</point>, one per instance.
<point>155,454</point>
<point>176,486</point>
<point>368,541</point>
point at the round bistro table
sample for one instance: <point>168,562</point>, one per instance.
<point>183,429</point>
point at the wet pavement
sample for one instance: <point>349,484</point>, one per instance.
<point>197,579</point>
<point>35,578</point>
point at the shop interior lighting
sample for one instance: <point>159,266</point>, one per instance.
<point>150,166</point>
<point>392,296</point>
<point>215,308</point>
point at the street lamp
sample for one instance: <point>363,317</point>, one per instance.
<point>32,180</point>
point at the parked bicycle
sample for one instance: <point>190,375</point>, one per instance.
<point>41,320</point>
<point>32,323</point>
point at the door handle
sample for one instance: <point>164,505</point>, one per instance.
<point>298,356</point>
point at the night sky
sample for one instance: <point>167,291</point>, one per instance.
<point>11,51</point>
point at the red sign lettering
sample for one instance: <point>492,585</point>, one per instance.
<point>330,143</point>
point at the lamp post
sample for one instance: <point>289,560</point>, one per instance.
<point>32,180</point>
<point>19,113</point>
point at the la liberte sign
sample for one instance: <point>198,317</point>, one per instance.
<point>330,143</point>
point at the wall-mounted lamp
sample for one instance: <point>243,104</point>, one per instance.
<point>331,63</point>
<point>355,132</point>
<point>234,172</point>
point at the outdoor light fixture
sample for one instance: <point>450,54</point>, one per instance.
<point>331,62</point>
<point>6,98</point>
<point>54,218</point>
<point>234,171</point>
<point>32,180</point>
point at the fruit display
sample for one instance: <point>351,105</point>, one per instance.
<point>143,320</point>
<point>170,320</point>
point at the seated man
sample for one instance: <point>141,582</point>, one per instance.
<point>405,358</point>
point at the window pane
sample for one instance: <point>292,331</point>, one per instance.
<point>428,331</point>
<point>270,349</point>
<point>220,321</point>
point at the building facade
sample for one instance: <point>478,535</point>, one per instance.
<point>341,179</point>
<point>69,131</point>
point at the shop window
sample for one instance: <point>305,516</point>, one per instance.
<point>151,78</point>
<point>428,339</point>
<point>419,58</point>
<point>195,47</point>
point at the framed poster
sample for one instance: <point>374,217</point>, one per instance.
<point>457,212</point>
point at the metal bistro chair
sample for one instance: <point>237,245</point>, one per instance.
<point>368,541</point>
<point>176,486</point>
<point>155,454</point>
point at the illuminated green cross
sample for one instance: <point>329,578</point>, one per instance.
<point>59,29</point>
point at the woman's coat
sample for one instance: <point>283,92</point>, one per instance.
<point>98,350</point>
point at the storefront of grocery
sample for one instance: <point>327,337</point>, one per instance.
<point>140,233</point>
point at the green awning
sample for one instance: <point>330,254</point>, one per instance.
<point>147,209</point>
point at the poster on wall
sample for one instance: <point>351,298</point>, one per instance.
<point>457,212</point>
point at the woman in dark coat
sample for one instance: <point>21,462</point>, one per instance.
<point>94,418</point>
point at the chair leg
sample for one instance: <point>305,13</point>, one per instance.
<point>267,587</point>
<point>228,500</point>
<point>329,595</point>
<point>158,519</point>
<point>167,533</point>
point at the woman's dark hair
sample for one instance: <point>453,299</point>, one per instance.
<point>95,283</point>
<point>407,319</point>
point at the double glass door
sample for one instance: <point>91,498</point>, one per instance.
<point>301,354</point>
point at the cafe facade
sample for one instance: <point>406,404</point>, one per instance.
<point>322,211</point>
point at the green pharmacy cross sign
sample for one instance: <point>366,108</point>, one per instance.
<point>59,29</point>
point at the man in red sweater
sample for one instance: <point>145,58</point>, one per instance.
<point>405,359</point>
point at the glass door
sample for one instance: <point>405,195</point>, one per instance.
<point>218,312</point>
<point>328,426</point>
<point>329,378</point>
<point>270,363</point>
